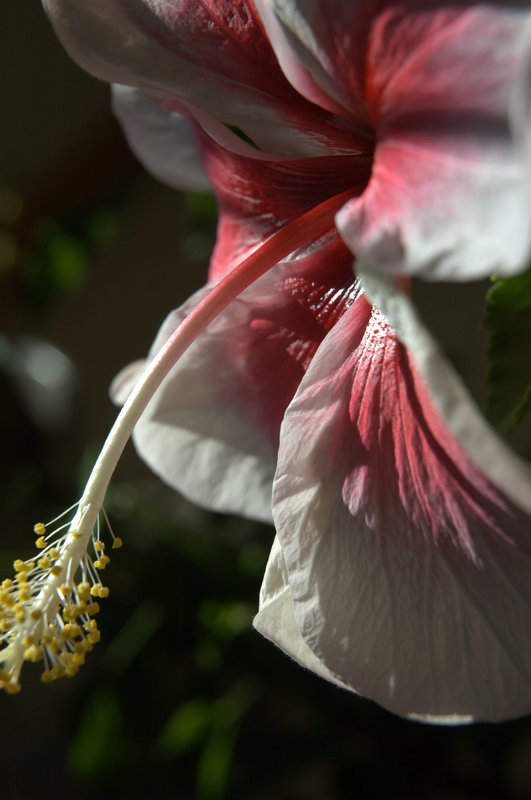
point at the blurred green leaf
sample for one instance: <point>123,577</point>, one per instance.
<point>187,727</point>
<point>133,636</point>
<point>102,226</point>
<point>226,620</point>
<point>508,322</point>
<point>56,264</point>
<point>214,764</point>
<point>98,745</point>
<point>202,208</point>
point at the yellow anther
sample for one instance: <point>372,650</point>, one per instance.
<point>56,571</point>
<point>70,631</point>
<point>95,590</point>
<point>20,566</point>
<point>20,614</point>
<point>33,654</point>
<point>75,534</point>
<point>27,641</point>
<point>39,529</point>
<point>94,637</point>
<point>5,625</point>
<point>12,688</point>
<point>7,584</point>
<point>45,562</point>
<point>40,543</point>
<point>36,614</point>
<point>9,601</point>
<point>103,592</point>
<point>83,646</point>
<point>117,543</point>
<point>91,625</point>
<point>92,608</point>
<point>66,589</point>
<point>70,612</point>
<point>47,676</point>
<point>56,672</point>
<point>99,546</point>
<point>54,553</point>
<point>24,592</point>
<point>102,562</point>
<point>83,590</point>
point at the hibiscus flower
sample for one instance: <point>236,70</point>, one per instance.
<point>367,133</point>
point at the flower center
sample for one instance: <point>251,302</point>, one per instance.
<point>47,608</point>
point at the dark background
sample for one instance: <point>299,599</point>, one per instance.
<point>180,699</point>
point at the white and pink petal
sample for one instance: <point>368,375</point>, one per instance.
<point>211,430</point>
<point>209,60</point>
<point>449,195</point>
<point>408,568</point>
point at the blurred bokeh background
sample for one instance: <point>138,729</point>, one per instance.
<point>181,699</point>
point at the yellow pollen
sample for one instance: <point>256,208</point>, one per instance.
<point>83,590</point>
<point>117,543</point>
<point>46,608</point>
<point>11,688</point>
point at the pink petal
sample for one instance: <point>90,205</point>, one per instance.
<point>212,57</point>
<point>257,197</point>
<point>211,431</point>
<point>408,568</point>
<point>321,47</point>
<point>448,195</point>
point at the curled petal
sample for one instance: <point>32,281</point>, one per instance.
<point>164,141</point>
<point>211,431</point>
<point>408,567</point>
<point>210,60</point>
<point>276,616</point>
<point>448,196</point>
<point>321,47</point>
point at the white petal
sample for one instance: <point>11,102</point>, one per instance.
<point>276,617</point>
<point>162,140</point>
<point>195,434</point>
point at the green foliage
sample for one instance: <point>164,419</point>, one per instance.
<point>508,322</point>
<point>57,257</point>
<point>98,744</point>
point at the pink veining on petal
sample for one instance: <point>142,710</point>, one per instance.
<point>407,567</point>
